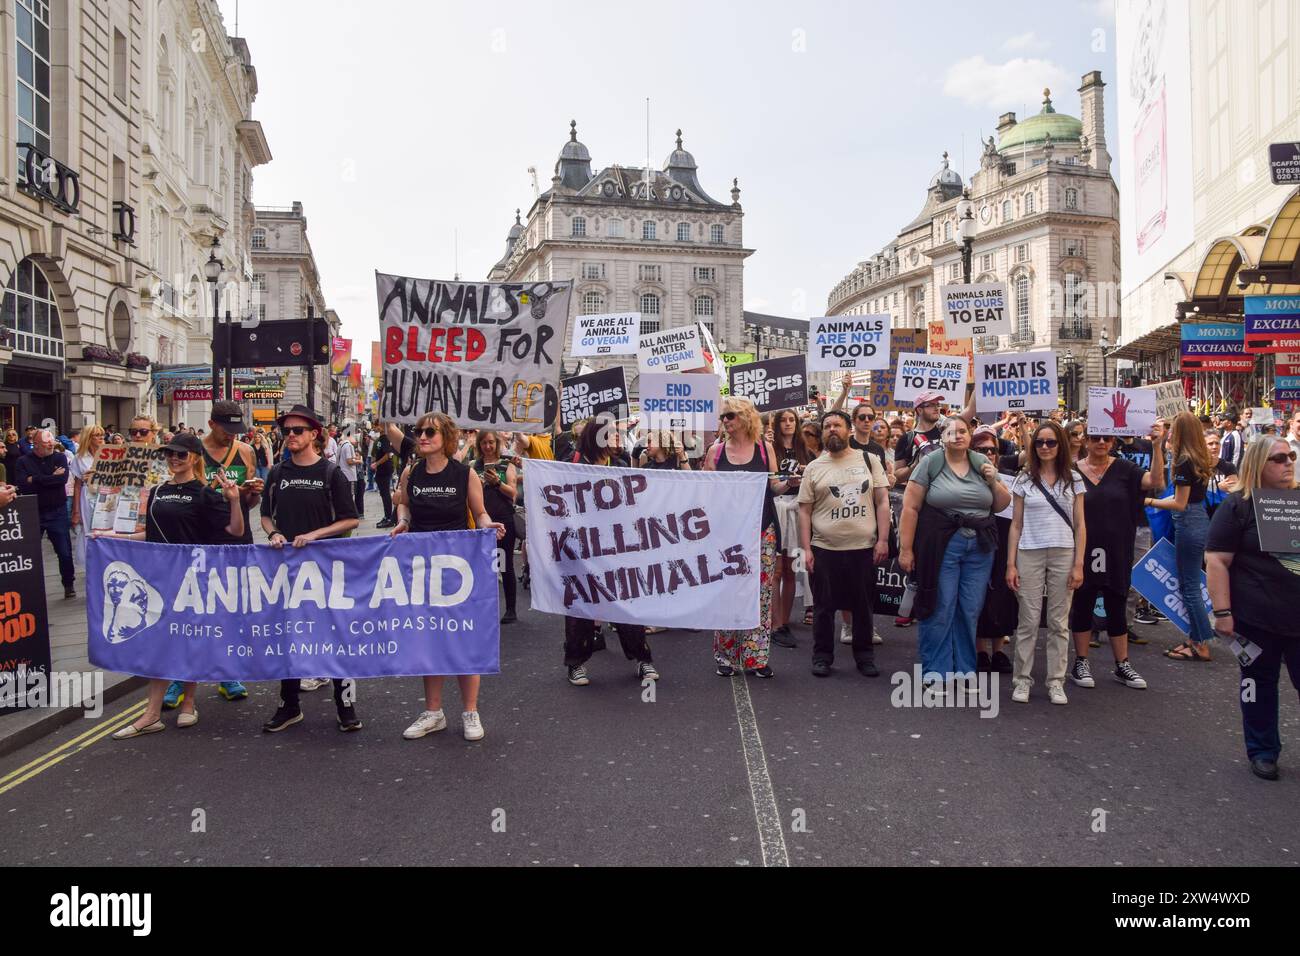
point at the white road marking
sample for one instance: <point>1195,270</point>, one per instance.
<point>771,834</point>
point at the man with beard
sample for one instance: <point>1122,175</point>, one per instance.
<point>844,532</point>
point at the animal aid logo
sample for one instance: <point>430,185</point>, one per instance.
<point>133,604</point>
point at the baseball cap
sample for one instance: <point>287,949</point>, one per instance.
<point>984,430</point>
<point>926,398</point>
<point>185,443</point>
<point>228,415</point>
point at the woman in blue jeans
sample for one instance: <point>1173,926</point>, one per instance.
<point>1193,469</point>
<point>1240,575</point>
<point>947,537</point>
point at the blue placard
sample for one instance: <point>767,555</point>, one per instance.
<point>1272,305</point>
<point>1155,577</point>
<point>1212,332</point>
<point>1286,381</point>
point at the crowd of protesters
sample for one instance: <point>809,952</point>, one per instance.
<point>1002,527</point>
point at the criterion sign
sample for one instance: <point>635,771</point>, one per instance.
<point>1021,381</point>
<point>848,343</point>
<point>611,333</point>
<point>674,350</point>
<point>919,373</point>
<point>976,309</point>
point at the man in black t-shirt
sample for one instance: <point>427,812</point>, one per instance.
<point>923,438</point>
<point>381,466</point>
<point>307,498</point>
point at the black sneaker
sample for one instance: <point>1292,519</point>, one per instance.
<point>646,671</point>
<point>982,663</point>
<point>821,669</point>
<point>1081,673</point>
<point>385,523</point>
<point>348,719</point>
<point>69,592</point>
<point>598,642</point>
<point>1143,615</point>
<point>1001,663</point>
<point>578,676</point>
<point>509,618</point>
<point>868,669</point>
<point>284,717</point>
<point>783,637</point>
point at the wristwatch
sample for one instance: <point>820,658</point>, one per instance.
<point>1223,612</point>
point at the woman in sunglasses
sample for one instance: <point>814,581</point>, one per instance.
<point>1112,507</point>
<point>182,510</point>
<point>440,493</point>
<point>1254,594</point>
<point>1193,470</point>
<point>1076,431</point>
<point>1045,550</point>
<point>745,450</point>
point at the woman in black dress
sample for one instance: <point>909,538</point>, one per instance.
<point>500,492</point>
<point>182,510</point>
<point>439,493</point>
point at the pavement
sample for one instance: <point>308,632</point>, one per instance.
<point>705,770</point>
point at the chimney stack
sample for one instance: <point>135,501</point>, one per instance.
<point>1093,118</point>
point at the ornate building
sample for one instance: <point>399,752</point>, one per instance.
<point>1047,215</point>
<point>130,147</point>
<point>635,240</point>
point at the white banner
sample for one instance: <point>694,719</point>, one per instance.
<point>1170,399</point>
<point>677,402</point>
<point>977,309</point>
<point>673,350</point>
<point>1121,411</point>
<point>1015,381</point>
<point>919,373</point>
<point>846,343</point>
<point>612,333</point>
<point>633,546</point>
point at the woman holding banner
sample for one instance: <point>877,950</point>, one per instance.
<point>500,492</point>
<point>1254,594</point>
<point>744,449</point>
<point>89,442</point>
<point>792,456</point>
<point>439,493</point>
<point>1111,508</point>
<point>183,510</point>
<point>1192,470</point>
<point>595,446</point>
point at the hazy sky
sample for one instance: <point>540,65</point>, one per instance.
<point>398,123</point>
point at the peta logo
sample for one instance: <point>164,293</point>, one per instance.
<point>131,604</point>
<point>77,909</point>
<point>851,494</point>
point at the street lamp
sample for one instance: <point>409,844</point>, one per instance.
<point>1071,371</point>
<point>212,271</point>
<point>966,233</point>
<point>1104,343</point>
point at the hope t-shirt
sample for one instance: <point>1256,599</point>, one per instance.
<point>305,498</point>
<point>840,491</point>
<point>190,513</point>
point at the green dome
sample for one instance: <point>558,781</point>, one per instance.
<point>1035,130</point>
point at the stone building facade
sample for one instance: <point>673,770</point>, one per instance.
<point>123,123</point>
<point>635,240</point>
<point>1047,224</point>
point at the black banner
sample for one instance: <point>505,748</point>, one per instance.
<point>584,395</point>
<point>773,384</point>
<point>1277,518</point>
<point>24,624</point>
<point>276,344</point>
<point>889,576</point>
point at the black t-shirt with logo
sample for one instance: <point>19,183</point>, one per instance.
<point>1185,474</point>
<point>301,498</point>
<point>916,445</point>
<point>438,502</point>
<point>1136,450</point>
<point>190,513</point>
<point>1263,587</point>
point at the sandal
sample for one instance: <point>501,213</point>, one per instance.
<point>1187,651</point>
<point>131,730</point>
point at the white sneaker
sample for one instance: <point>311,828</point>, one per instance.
<point>1020,693</point>
<point>473,726</point>
<point>312,683</point>
<point>846,633</point>
<point>1056,694</point>
<point>428,722</point>
<point>875,637</point>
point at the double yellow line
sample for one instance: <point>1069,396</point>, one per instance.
<point>69,748</point>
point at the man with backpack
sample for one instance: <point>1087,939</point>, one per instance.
<point>307,498</point>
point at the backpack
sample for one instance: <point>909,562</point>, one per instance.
<point>273,479</point>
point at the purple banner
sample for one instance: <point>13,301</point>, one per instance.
<point>351,607</point>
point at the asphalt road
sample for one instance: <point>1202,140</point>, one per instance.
<point>711,771</point>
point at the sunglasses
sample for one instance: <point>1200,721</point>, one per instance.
<point>170,453</point>
<point>1045,443</point>
<point>425,432</point>
<point>986,449</point>
<point>866,418</point>
<point>138,431</point>
<point>728,416</point>
<point>298,429</point>
<point>1100,437</point>
<point>1282,457</point>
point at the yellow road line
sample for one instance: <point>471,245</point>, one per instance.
<point>132,712</point>
<point>100,732</point>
